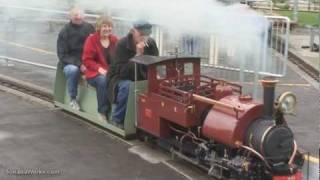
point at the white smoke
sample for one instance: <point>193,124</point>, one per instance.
<point>235,25</point>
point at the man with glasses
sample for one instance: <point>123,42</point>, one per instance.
<point>121,72</point>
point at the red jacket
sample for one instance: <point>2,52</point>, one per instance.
<point>93,55</point>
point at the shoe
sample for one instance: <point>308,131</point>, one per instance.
<point>103,117</point>
<point>118,125</point>
<point>74,105</point>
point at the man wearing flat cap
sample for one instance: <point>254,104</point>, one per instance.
<point>121,72</point>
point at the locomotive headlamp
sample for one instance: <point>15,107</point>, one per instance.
<point>286,103</point>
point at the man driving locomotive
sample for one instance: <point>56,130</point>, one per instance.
<point>121,72</point>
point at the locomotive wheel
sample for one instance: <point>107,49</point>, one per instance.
<point>141,135</point>
<point>146,137</point>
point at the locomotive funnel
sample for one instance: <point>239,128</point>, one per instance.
<point>269,84</point>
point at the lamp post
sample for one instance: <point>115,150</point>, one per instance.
<point>295,11</point>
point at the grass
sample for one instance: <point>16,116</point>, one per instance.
<point>304,18</point>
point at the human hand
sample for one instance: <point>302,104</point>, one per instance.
<point>83,68</point>
<point>140,48</point>
<point>102,71</point>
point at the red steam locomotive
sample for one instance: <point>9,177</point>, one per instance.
<point>209,123</point>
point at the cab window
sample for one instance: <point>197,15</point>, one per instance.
<point>188,68</point>
<point>161,71</point>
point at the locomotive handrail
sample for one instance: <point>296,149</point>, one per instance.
<point>236,87</point>
<point>169,88</point>
<point>176,94</point>
<point>214,102</point>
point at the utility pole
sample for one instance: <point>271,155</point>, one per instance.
<point>295,11</point>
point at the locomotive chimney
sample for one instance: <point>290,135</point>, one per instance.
<point>269,84</point>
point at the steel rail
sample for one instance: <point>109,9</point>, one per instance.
<point>26,88</point>
<point>305,67</point>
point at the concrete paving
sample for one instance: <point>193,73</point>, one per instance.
<point>42,143</point>
<point>38,76</point>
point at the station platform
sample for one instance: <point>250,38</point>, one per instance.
<point>39,142</point>
<point>299,38</point>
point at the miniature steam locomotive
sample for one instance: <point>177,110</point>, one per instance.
<point>208,122</point>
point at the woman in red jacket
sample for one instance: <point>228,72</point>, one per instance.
<point>98,52</point>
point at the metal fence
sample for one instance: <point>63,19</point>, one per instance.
<point>313,6</point>
<point>224,62</point>
<point>270,57</point>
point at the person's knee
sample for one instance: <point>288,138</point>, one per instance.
<point>74,69</point>
<point>71,70</point>
<point>101,81</point>
<point>125,85</point>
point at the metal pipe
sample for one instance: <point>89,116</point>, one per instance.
<point>308,167</point>
<point>28,62</point>
<point>295,147</point>
<point>257,154</point>
<point>214,102</point>
<point>295,11</point>
<point>286,45</point>
<point>192,135</point>
<point>268,84</point>
<point>238,69</point>
<point>135,94</point>
<point>58,12</point>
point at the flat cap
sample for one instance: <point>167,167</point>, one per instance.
<point>144,27</point>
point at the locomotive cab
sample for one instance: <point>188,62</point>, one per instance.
<point>158,102</point>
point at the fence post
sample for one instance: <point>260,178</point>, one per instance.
<point>159,39</point>
<point>295,11</point>
<point>213,51</point>
<point>286,44</point>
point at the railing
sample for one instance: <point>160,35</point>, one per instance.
<point>21,61</point>
<point>175,88</point>
<point>271,55</point>
<point>305,5</point>
<point>289,5</point>
<point>265,4</point>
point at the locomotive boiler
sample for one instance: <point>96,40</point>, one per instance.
<point>210,123</point>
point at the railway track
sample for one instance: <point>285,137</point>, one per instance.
<point>42,94</point>
<point>26,88</point>
<point>307,68</point>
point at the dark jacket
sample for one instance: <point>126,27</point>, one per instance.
<point>71,41</point>
<point>93,54</point>
<point>122,68</point>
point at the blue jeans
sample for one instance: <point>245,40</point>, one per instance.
<point>100,83</point>
<point>190,45</point>
<point>119,111</point>
<point>72,74</point>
